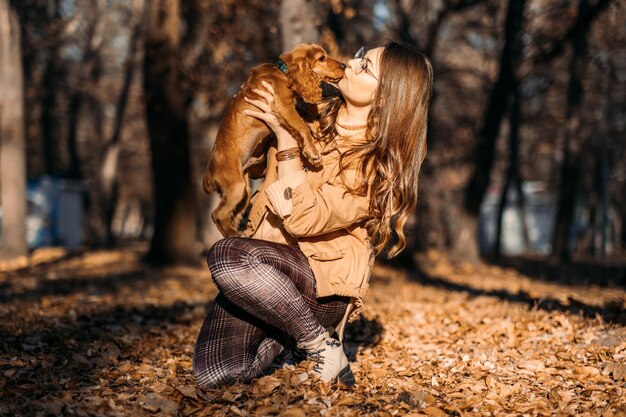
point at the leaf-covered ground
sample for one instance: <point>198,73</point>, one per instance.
<point>101,334</point>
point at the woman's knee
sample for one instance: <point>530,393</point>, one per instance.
<point>227,259</point>
<point>214,375</point>
<point>221,251</point>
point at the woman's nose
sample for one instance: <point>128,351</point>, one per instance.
<point>350,62</point>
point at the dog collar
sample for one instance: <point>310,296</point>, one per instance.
<point>281,66</point>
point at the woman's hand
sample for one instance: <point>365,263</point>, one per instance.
<point>267,113</point>
<point>265,105</point>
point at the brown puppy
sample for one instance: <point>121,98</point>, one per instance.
<point>242,141</point>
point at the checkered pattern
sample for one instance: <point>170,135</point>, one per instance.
<point>266,303</point>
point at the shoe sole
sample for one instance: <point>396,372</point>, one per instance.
<point>347,377</point>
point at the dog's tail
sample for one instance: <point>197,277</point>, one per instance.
<point>207,184</point>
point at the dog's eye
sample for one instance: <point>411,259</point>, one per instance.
<point>322,58</point>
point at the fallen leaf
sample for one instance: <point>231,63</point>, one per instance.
<point>434,411</point>
<point>155,403</point>
<point>532,365</point>
<point>344,401</point>
<point>293,412</point>
<point>265,410</point>
<point>618,370</point>
<point>235,410</point>
<point>188,391</point>
<point>265,385</point>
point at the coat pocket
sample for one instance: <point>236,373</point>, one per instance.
<point>329,255</point>
<point>330,250</point>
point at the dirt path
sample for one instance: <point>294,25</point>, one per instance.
<point>100,334</point>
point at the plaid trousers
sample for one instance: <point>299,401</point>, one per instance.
<point>266,304</point>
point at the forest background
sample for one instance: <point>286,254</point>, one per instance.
<point>122,101</point>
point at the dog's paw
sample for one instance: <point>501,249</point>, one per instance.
<point>313,156</point>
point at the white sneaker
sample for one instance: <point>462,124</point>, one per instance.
<point>332,363</point>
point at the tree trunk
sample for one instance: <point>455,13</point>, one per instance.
<point>605,162</point>
<point>12,150</point>
<point>513,178</point>
<point>299,22</point>
<point>75,170</point>
<point>90,71</point>
<point>166,105</point>
<point>570,170</point>
<point>404,25</point>
<point>622,214</point>
<point>428,225</point>
<point>484,153</point>
<point>49,119</point>
<point>108,186</point>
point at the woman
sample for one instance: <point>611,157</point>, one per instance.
<point>314,233</point>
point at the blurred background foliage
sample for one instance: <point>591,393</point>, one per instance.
<point>124,98</point>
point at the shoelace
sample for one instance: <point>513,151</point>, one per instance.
<point>333,343</point>
<point>317,357</point>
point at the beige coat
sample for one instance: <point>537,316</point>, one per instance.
<point>325,221</point>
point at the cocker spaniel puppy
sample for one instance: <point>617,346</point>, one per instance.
<point>242,141</point>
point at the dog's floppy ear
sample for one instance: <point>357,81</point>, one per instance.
<point>301,78</point>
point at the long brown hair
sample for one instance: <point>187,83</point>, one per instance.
<point>391,159</point>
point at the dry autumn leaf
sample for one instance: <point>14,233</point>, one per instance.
<point>156,403</point>
<point>293,412</point>
<point>434,411</point>
<point>266,410</point>
<point>617,370</point>
<point>266,385</point>
<point>188,391</point>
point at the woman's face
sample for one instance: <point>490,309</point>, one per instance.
<point>360,78</point>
